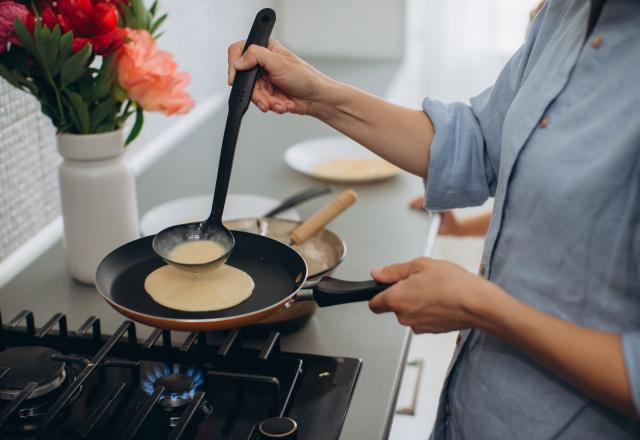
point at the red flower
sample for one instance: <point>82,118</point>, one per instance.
<point>93,23</point>
<point>9,11</point>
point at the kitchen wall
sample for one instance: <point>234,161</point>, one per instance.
<point>197,33</point>
<point>28,160</point>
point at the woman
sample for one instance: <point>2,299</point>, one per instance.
<point>550,346</point>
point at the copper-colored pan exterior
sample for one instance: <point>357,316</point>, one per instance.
<point>199,325</point>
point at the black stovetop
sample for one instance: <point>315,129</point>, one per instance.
<point>59,384</point>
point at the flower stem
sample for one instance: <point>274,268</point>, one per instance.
<point>63,121</point>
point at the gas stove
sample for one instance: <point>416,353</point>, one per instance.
<point>61,384</point>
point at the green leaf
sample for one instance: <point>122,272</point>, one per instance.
<point>75,66</point>
<point>84,86</point>
<point>65,43</point>
<point>31,87</point>
<point>99,114</point>
<point>137,16</point>
<point>78,111</point>
<point>156,24</point>
<point>137,126</point>
<point>24,36</point>
<point>6,74</point>
<point>153,8</point>
<point>40,38</point>
<point>105,79</point>
<point>53,49</point>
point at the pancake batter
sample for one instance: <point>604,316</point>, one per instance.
<point>197,252</point>
<point>218,289</point>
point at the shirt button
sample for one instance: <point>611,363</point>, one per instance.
<point>596,42</point>
<point>458,339</point>
<point>446,409</point>
<point>481,270</point>
<point>544,122</point>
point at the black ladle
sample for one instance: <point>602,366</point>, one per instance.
<point>212,228</point>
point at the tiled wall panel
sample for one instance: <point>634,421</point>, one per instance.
<point>28,163</point>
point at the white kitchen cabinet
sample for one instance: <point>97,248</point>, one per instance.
<point>372,29</point>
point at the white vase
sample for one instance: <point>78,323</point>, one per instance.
<point>97,191</point>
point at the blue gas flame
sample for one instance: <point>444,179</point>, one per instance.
<point>148,383</point>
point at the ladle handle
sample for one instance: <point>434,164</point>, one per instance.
<point>239,99</point>
<point>298,198</point>
<point>323,217</point>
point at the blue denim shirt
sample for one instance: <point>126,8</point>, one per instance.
<point>556,141</point>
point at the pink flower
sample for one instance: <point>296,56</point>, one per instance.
<point>150,76</point>
<point>9,10</point>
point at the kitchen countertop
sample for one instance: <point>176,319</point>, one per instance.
<point>378,230</point>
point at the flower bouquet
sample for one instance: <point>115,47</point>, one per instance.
<point>92,64</point>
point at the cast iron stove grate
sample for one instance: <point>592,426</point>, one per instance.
<point>60,384</point>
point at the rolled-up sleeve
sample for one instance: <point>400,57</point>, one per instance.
<point>631,353</point>
<point>464,156</point>
<point>460,171</point>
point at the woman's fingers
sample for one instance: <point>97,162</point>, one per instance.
<point>261,94</point>
<point>387,300</point>
<point>255,55</point>
<point>233,53</point>
<point>380,303</point>
<point>399,271</point>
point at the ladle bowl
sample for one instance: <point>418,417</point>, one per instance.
<point>166,241</point>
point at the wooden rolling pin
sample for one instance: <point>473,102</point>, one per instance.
<point>323,217</point>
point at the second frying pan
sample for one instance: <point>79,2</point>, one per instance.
<point>277,270</point>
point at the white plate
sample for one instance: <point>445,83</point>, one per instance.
<point>305,156</point>
<point>197,208</point>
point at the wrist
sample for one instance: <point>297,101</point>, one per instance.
<point>484,304</point>
<point>327,99</point>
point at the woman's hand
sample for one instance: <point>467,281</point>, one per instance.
<point>434,296</point>
<point>430,296</point>
<point>286,83</point>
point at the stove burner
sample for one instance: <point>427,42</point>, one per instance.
<point>30,364</point>
<point>180,385</point>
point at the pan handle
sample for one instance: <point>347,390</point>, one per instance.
<point>330,291</point>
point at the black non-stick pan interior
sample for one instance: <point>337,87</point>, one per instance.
<point>277,270</point>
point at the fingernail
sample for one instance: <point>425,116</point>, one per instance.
<point>261,106</point>
<point>238,63</point>
<point>376,271</point>
<point>279,108</point>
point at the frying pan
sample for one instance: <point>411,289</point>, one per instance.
<point>278,271</point>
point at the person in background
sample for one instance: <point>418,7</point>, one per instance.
<point>550,341</point>
<point>450,224</point>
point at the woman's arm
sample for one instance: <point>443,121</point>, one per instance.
<point>288,84</point>
<point>398,134</point>
<point>436,296</point>
<point>589,359</point>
